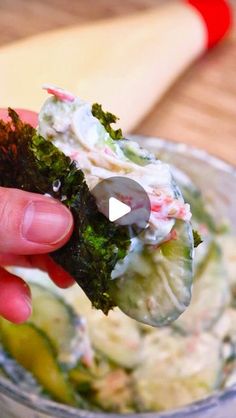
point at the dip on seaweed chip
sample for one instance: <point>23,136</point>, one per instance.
<point>148,276</point>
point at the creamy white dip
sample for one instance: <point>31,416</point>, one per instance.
<point>69,123</point>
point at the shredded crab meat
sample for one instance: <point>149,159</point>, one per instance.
<point>99,160</point>
<point>61,94</point>
<point>166,206</point>
<point>163,205</point>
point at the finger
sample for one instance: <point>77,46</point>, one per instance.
<point>15,260</point>
<point>15,298</point>
<point>31,223</point>
<point>43,262</point>
<point>27,116</point>
<point>60,277</point>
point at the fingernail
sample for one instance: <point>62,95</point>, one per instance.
<point>46,222</point>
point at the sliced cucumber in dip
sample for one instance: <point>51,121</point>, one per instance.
<point>210,294</point>
<point>58,320</point>
<point>156,287</point>
<point>177,370</point>
<point>85,135</point>
<point>31,348</point>
<point>201,215</point>
<point>135,153</point>
<point>116,336</point>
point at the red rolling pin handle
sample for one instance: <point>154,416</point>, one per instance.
<point>217,15</point>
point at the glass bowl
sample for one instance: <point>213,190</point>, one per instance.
<point>217,180</point>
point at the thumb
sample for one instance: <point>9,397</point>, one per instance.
<point>31,223</point>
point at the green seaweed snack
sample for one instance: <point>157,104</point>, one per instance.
<point>72,150</point>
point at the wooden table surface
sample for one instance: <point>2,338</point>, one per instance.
<point>200,108</point>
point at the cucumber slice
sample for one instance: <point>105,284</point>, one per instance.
<point>192,195</point>
<point>200,214</point>
<point>135,153</point>
<point>211,295</point>
<point>58,320</point>
<point>156,287</point>
<point>177,370</point>
<point>116,336</point>
<point>31,348</point>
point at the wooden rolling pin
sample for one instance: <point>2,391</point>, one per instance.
<point>124,63</point>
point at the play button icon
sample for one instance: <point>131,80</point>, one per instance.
<point>124,202</point>
<point>117,209</point>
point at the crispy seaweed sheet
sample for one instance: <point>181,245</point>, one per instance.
<point>31,163</point>
<point>106,119</point>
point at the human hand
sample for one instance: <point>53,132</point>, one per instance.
<point>31,226</point>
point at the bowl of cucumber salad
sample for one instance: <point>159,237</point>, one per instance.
<point>70,360</point>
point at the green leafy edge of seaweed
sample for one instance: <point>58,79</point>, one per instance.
<point>106,119</point>
<point>31,163</point>
<point>196,238</point>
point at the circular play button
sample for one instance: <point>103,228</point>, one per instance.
<point>124,202</point>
